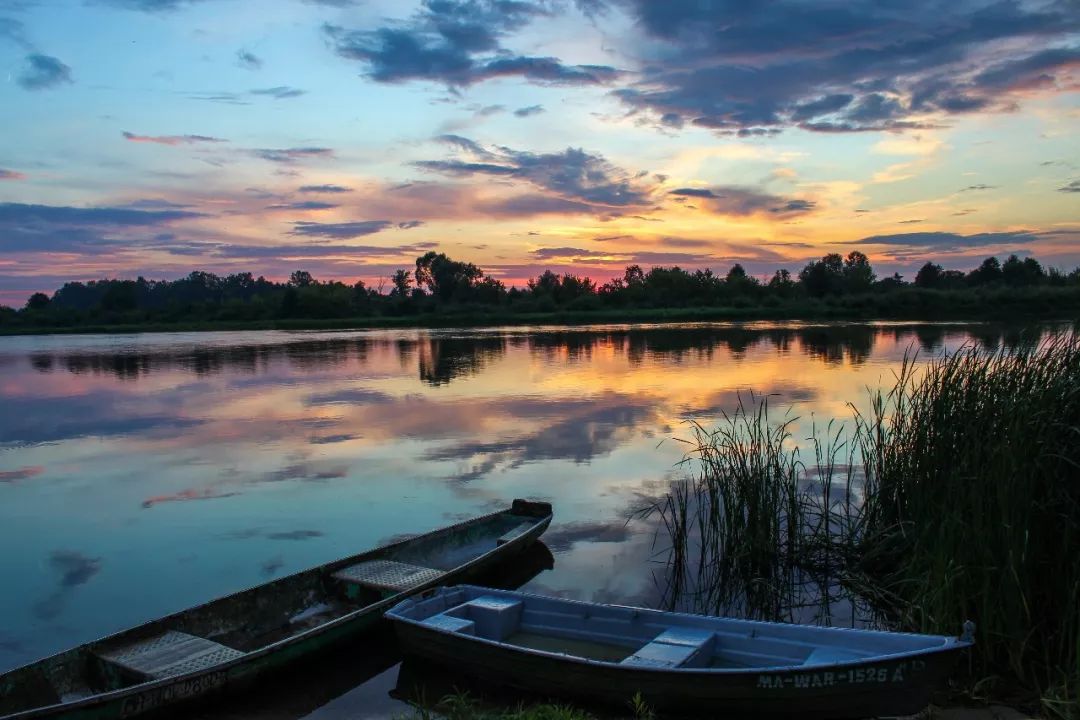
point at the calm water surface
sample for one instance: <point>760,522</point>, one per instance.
<point>141,474</point>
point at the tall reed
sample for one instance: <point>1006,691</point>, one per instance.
<point>955,496</point>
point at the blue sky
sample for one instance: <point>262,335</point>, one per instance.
<point>155,137</point>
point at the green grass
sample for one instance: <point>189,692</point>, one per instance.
<point>955,497</point>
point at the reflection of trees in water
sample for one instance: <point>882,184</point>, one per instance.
<point>445,359</point>
<point>440,360</point>
<point>252,359</point>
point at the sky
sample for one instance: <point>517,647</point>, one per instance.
<point>347,137</point>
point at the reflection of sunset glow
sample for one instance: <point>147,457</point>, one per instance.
<point>369,435</point>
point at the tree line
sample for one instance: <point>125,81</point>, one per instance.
<point>439,284</point>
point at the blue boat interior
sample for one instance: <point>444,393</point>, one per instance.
<point>640,638</point>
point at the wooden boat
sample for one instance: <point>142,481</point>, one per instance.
<point>230,641</point>
<point>679,663</point>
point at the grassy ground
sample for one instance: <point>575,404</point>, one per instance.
<point>957,497</point>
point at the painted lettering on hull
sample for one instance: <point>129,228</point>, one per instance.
<point>158,697</point>
<point>831,678</point>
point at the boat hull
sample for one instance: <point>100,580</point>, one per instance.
<point>234,675</point>
<point>897,687</point>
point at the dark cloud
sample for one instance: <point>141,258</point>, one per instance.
<point>291,155</point>
<point>340,231</point>
<point>248,60</point>
<point>75,569</point>
<point>151,5</point>
<point>43,72</point>
<point>693,192</point>
<point>294,535</point>
<point>171,139</point>
<point>11,175</point>
<point>13,30</point>
<point>755,68</point>
<point>305,205</point>
<point>532,205</point>
<point>459,43</point>
<point>948,242</point>
<point>410,224</point>
<point>969,188</point>
<point>529,111</point>
<point>573,174</point>
<point>324,189</point>
<point>1070,187</point>
<point>281,92</point>
<point>52,228</point>
<point>737,200</point>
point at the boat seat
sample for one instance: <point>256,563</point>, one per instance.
<point>389,575</point>
<point>169,654</point>
<point>451,624</point>
<point>514,533</point>
<point>675,647</point>
<point>496,618</point>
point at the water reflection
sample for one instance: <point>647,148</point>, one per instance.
<point>441,358</point>
<point>187,466</point>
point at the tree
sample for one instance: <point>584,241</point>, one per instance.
<point>121,296</point>
<point>301,278</point>
<point>781,283</point>
<point>988,272</point>
<point>858,274</point>
<point>401,280</point>
<point>1017,272</point>
<point>824,277</point>
<point>447,279</point>
<point>37,301</point>
<point>929,276</point>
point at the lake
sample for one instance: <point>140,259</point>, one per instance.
<point>141,474</point>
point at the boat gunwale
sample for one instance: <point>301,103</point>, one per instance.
<point>540,523</point>
<point>950,644</point>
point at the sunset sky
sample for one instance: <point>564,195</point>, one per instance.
<point>153,137</point>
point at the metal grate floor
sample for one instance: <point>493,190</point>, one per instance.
<point>388,575</point>
<point>173,653</point>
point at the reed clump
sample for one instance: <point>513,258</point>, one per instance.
<point>955,496</point>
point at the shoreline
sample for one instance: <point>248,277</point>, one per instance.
<point>564,318</point>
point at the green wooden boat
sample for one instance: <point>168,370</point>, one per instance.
<point>229,642</point>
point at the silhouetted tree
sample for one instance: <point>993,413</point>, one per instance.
<point>401,280</point>
<point>987,273</point>
<point>301,278</point>
<point>37,301</point>
<point>858,274</point>
<point>823,277</point>
<point>929,276</point>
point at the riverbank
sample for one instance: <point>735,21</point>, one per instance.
<point>915,305</point>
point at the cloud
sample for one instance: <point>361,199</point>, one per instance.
<point>54,228</point>
<point>742,201</point>
<point>1071,187</point>
<point>10,476</point>
<point>344,230</point>
<point>459,43</point>
<point>856,66</point>
<point>281,92</point>
<point>303,205</point>
<point>171,139</point>
<point>150,5</point>
<point>11,175</point>
<point>529,111</point>
<point>43,72</point>
<point>291,155</point>
<point>947,241</point>
<point>248,60</point>
<point>329,189</point>
<point>969,188</point>
<point>573,174</point>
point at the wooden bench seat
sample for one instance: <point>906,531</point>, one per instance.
<point>169,654</point>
